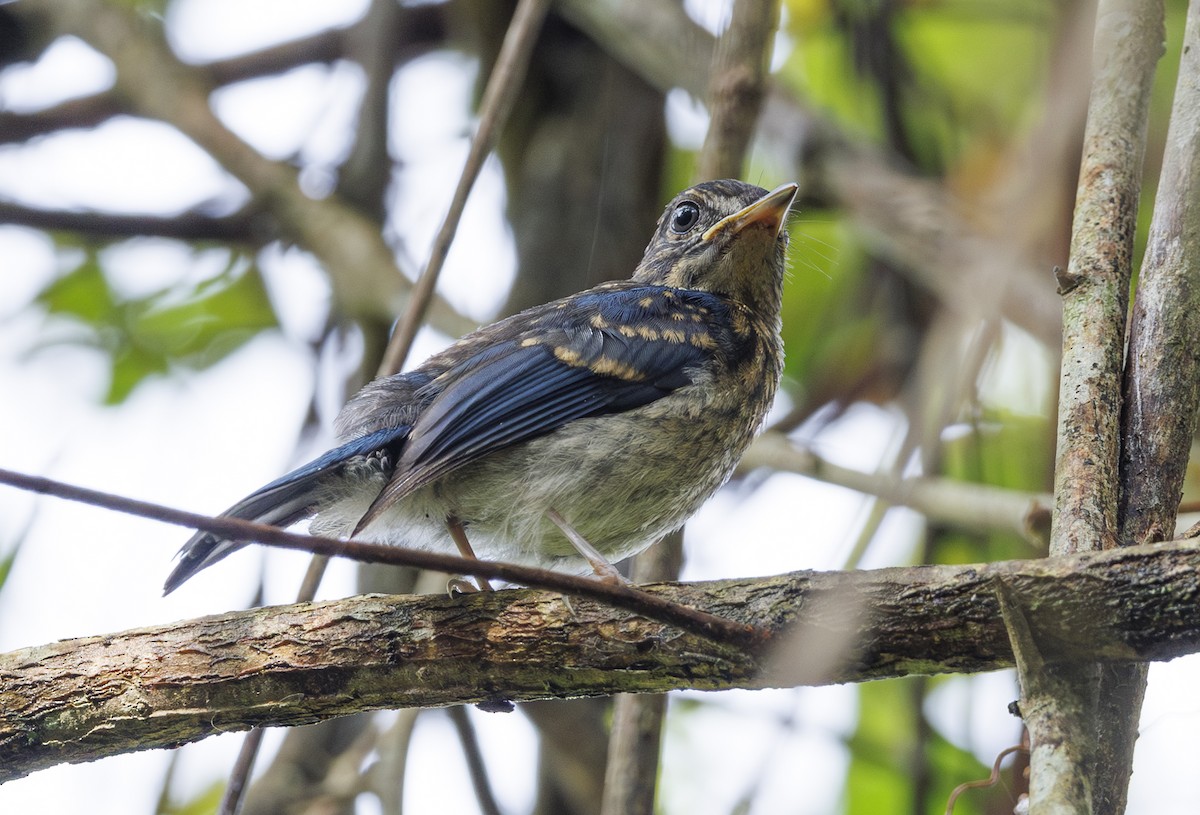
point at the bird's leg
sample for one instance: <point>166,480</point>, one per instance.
<point>459,533</point>
<point>600,565</point>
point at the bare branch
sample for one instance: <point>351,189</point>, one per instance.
<point>244,226</point>
<point>1095,292</point>
<point>943,500</point>
<point>83,699</point>
<point>1162,373</point>
<point>83,111</point>
<point>497,103</point>
<point>418,29</point>
<point>362,268</point>
<point>1095,287</point>
<point>737,87</point>
<point>1052,707</point>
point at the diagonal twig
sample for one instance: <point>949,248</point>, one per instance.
<point>626,597</point>
<point>498,99</point>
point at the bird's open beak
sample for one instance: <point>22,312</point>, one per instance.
<point>768,211</point>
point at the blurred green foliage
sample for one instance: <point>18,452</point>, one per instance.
<point>190,324</point>
<point>953,76</point>
<point>6,563</point>
<point>205,803</point>
<point>893,769</point>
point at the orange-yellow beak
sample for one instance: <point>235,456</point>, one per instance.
<point>769,211</point>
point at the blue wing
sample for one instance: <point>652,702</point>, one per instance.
<point>282,502</point>
<point>606,352</point>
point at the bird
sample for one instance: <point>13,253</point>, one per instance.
<point>573,434</point>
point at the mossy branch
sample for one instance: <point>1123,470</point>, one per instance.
<point>166,685</point>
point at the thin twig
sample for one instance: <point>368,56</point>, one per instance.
<point>231,800</point>
<point>474,758</point>
<point>497,103</point>
<point>943,500</point>
<point>239,774</point>
<point>985,782</point>
<point>626,597</point>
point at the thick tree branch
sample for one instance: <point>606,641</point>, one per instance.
<point>1065,741</point>
<point>1095,287</point>
<point>1103,702</point>
<point>83,699</point>
<point>1162,373</point>
<point>1160,395</point>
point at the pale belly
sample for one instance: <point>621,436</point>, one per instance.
<point>621,495</point>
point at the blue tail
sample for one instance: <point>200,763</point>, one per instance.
<point>284,501</point>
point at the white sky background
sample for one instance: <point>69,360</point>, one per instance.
<point>202,441</point>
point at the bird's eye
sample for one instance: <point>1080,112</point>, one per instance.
<point>684,217</point>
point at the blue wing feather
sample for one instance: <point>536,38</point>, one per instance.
<point>283,502</point>
<point>573,364</point>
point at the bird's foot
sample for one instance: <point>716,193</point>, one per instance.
<point>458,534</point>
<point>610,575</point>
<point>458,586</point>
<point>605,571</point>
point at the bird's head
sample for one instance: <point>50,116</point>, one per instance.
<point>725,237</point>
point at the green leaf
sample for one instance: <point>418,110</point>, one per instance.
<point>6,564</point>
<point>192,325</point>
<point>213,320</point>
<point>205,803</point>
<point>83,294</point>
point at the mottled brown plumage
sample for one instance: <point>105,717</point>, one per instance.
<point>619,409</point>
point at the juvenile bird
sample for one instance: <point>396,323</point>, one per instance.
<point>573,434</point>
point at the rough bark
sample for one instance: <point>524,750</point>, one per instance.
<point>1086,714</point>
<point>1095,287</point>
<point>83,699</point>
<point>1160,396</point>
<point>1162,375</point>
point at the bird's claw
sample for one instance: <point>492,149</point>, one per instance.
<point>458,586</point>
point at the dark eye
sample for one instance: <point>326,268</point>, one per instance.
<point>684,217</point>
